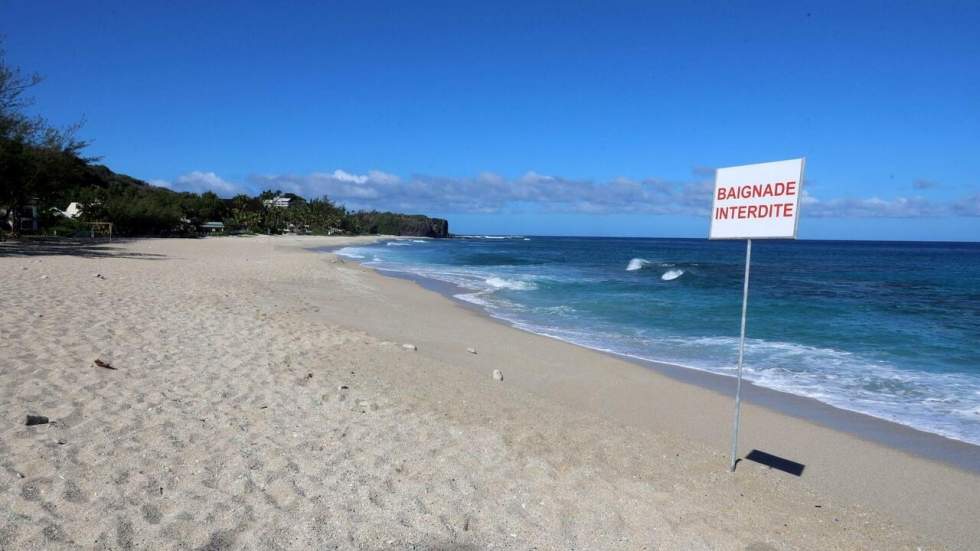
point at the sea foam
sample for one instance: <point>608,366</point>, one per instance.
<point>637,264</point>
<point>513,284</point>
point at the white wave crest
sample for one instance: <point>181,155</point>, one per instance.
<point>671,275</point>
<point>356,253</point>
<point>512,284</point>
<point>637,264</point>
<point>473,298</point>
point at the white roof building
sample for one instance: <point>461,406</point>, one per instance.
<point>74,210</point>
<point>279,202</point>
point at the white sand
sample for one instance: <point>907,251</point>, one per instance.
<point>224,424</point>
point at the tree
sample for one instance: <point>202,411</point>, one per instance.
<point>203,208</point>
<point>36,159</point>
<point>246,213</point>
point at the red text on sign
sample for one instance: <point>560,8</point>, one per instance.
<point>741,212</point>
<point>777,189</point>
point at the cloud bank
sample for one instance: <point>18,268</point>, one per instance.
<point>490,193</point>
<point>199,182</point>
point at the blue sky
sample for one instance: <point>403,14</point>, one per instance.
<point>558,118</point>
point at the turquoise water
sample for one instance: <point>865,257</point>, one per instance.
<point>887,329</point>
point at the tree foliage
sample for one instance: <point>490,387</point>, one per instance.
<point>36,159</point>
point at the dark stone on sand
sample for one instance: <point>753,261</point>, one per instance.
<point>36,420</point>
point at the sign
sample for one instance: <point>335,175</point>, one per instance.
<point>760,201</point>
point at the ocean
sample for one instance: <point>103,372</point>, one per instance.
<point>888,329</point>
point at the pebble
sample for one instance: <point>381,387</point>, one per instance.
<point>471,350</point>
<point>36,420</point>
<point>497,375</point>
<point>410,347</point>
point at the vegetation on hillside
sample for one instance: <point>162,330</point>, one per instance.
<point>42,166</point>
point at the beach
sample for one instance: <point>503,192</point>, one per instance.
<point>263,395</point>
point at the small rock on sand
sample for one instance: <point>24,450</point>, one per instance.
<point>36,420</point>
<point>410,347</point>
<point>471,350</point>
<point>497,375</point>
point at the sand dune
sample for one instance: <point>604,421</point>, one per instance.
<point>261,399</point>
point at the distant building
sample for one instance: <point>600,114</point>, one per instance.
<point>281,202</point>
<point>212,227</point>
<point>27,219</point>
<point>74,210</point>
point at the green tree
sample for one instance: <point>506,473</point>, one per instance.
<point>36,160</point>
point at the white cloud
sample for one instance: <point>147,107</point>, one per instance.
<point>968,206</point>
<point>342,176</point>
<point>199,182</point>
<point>874,207</point>
<point>535,192</point>
<point>490,192</point>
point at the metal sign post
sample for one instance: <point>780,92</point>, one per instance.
<point>759,201</point>
<point>741,353</point>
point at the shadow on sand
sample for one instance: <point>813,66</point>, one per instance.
<point>776,462</point>
<point>66,246</point>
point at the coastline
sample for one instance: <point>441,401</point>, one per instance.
<point>928,445</point>
<point>852,456</point>
<point>262,398</point>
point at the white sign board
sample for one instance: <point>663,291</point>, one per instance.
<point>760,201</point>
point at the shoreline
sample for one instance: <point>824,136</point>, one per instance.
<point>848,467</point>
<point>898,436</point>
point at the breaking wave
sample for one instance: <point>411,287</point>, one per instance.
<point>637,264</point>
<point>512,284</point>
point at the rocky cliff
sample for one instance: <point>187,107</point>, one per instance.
<point>391,223</point>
